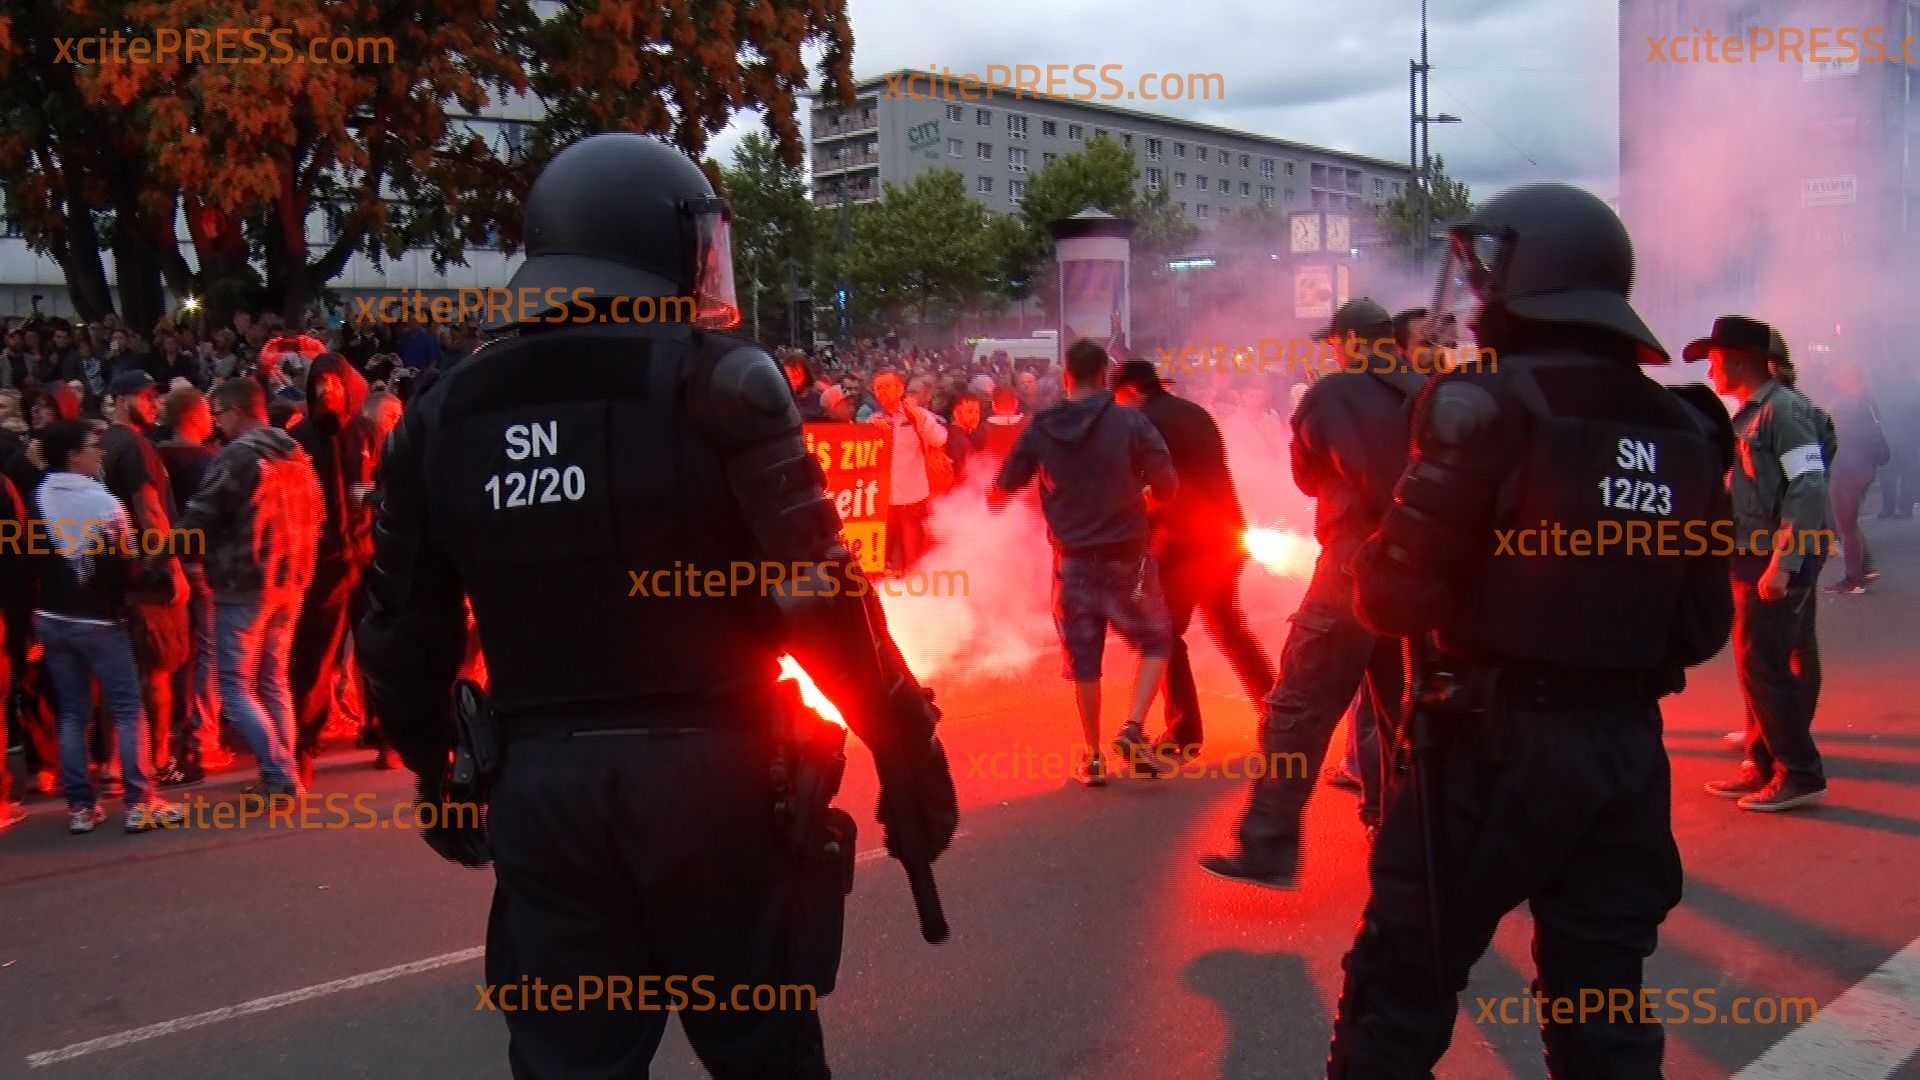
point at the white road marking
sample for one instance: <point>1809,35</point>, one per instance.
<point>1866,1033</point>
<point>291,997</point>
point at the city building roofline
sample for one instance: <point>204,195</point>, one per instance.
<point>1002,95</point>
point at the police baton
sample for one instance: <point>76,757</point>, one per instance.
<point>1420,774</point>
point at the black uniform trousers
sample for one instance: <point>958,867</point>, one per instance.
<point>1327,655</point>
<point>653,857</point>
<point>1559,799</point>
<point>1206,581</point>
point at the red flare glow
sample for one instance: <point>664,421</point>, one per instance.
<point>1283,552</point>
<point>790,669</point>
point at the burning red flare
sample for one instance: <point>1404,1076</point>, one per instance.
<point>1283,552</point>
<point>790,669</point>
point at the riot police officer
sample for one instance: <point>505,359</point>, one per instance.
<point>657,823</point>
<point>1538,658</point>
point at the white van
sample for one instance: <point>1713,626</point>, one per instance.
<point>1042,348</point>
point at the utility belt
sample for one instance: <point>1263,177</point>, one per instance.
<point>645,715</point>
<point>1454,687</point>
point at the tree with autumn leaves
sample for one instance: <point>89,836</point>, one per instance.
<point>106,157</point>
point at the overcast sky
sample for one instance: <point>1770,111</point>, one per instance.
<point>1534,81</point>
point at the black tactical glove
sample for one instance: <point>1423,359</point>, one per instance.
<point>930,800</point>
<point>457,832</point>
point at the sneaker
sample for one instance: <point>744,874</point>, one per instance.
<point>84,819</point>
<point>44,782</point>
<point>1848,587</point>
<point>154,815</point>
<point>11,814</point>
<point>1784,793</point>
<point>214,757</point>
<point>1341,777</point>
<point>1750,780</point>
<point>1091,773</point>
<point>1132,747</point>
<point>173,775</point>
<point>1240,868</point>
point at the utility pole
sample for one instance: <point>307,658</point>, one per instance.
<point>1419,149</point>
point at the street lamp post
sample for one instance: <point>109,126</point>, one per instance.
<point>1419,151</point>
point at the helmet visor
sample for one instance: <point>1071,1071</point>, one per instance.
<point>715,305</point>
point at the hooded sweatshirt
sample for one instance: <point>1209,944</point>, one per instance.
<point>259,509</point>
<point>87,550</point>
<point>1093,457</point>
<point>343,452</point>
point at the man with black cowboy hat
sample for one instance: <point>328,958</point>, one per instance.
<point>1197,542</point>
<point>1349,446</point>
<point>1779,488</point>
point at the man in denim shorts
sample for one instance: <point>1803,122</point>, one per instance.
<point>1094,459</point>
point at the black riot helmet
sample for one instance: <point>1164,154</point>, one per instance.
<point>622,214</point>
<point>1546,253</point>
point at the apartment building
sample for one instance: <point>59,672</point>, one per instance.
<point>999,140</point>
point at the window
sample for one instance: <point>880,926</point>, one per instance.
<point>1289,194</point>
<point>1180,150</point>
<point>1098,132</point>
<point>1076,133</point>
<point>1246,161</point>
<point>957,113</point>
<point>1246,190</point>
<point>1289,172</point>
<point>1226,186</point>
<point>1016,159</point>
<point>1016,190</point>
<point>1049,129</point>
<point>1199,153</point>
<point>1201,211</point>
<point>1179,179</point>
<point>1016,126</point>
<point>984,185</point>
<point>1126,139</point>
<point>955,148</point>
<point>1266,168</point>
<point>1199,182</point>
<point>1153,149</point>
<point>1047,159</point>
<point>1396,188</point>
<point>866,115</point>
<point>1266,194</point>
<point>983,151</point>
<point>1379,188</point>
<point>1153,179</point>
<point>1225,157</point>
<point>983,117</point>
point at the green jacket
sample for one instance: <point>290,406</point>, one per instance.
<point>1779,479</point>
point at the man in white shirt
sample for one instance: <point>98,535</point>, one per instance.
<point>915,431</point>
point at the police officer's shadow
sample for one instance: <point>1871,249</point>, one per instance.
<point>1276,1026</point>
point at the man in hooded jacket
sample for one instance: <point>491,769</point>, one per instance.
<point>340,444</point>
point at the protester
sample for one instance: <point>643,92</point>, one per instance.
<point>80,618</point>
<point>1096,457</point>
<point>260,510</point>
<point>1861,452</point>
<point>915,432</point>
<point>1197,541</point>
<point>196,708</point>
<point>1780,496</point>
<point>339,444</point>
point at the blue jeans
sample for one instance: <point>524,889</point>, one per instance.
<point>196,700</point>
<point>75,651</point>
<point>252,636</point>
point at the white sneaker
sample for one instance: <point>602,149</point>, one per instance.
<point>84,819</point>
<point>154,815</point>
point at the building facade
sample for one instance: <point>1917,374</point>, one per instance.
<point>999,138</point>
<point>1783,186</point>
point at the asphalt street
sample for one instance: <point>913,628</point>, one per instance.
<point>1086,940</point>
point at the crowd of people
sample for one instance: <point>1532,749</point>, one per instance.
<point>184,519</point>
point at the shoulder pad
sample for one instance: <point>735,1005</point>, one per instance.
<point>747,378</point>
<point>1457,410</point>
<point>1712,411</point>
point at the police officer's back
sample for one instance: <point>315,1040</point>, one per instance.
<point>594,484</point>
<point>1540,657</point>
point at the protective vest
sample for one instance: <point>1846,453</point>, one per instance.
<point>1610,500</point>
<point>592,521</point>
